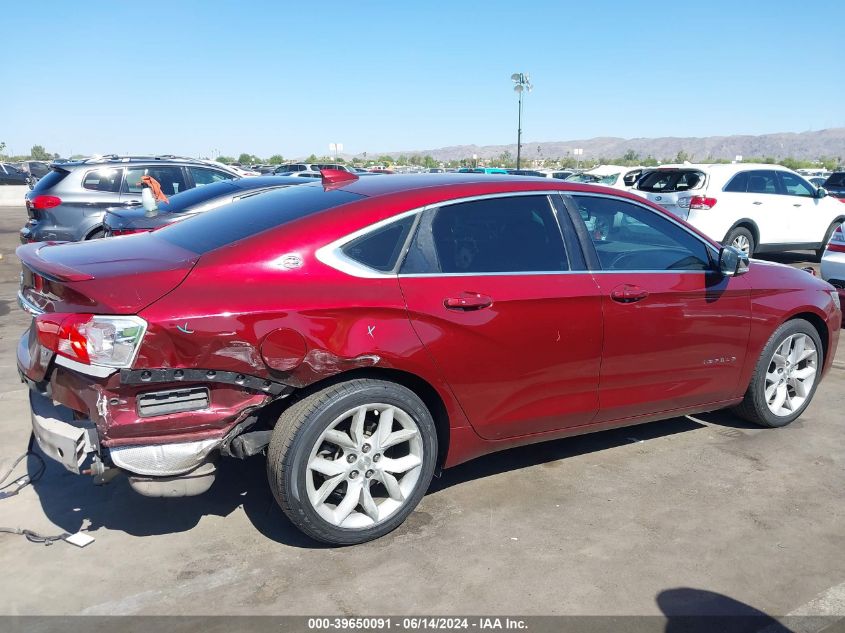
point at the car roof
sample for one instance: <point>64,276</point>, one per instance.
<point>257,182</point>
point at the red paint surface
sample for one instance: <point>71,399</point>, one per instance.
<point>549,356</point>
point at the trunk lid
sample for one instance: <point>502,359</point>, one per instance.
<point>120,275</point>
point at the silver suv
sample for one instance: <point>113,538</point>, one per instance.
<point>68,204</point>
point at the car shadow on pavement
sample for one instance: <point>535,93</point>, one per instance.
<point>690,610</point>
<point>544,452</point>
<point>72,502</point>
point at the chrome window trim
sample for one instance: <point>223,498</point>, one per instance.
<point>667,216</point>
<point>331,254</point>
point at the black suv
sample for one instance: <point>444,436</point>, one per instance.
<point>68,204</point>
<point>835,184</point>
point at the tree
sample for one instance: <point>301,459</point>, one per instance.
<point>631,156</point>
<point>226,160</point>
<point>682,157</point>
<point>311,159</point>
<point>386,160</point>
<point>429,162</point>
<point>39,153</point>
<point>2,146</point>
<point>276,159</point>
<point>247,159</point>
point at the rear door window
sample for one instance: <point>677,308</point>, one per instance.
<point>170,177</point>
<point>763,182</point>
<point>103,179</point>
<point>496,235</point>
<point>50,180</point>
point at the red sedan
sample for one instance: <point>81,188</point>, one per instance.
<point>364,333</point>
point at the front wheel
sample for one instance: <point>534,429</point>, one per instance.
<point>740,238</point>
<point>350,462</point>
<point>786,376</point>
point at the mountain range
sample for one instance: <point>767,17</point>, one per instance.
<point>800,145</point>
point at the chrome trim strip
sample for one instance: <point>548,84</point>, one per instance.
<point>28,306</point>
<point>332,255</point>
<point>98,371</point>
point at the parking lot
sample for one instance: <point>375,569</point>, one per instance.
<point>648,519</point>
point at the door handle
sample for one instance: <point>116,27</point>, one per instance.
<point>796,205</point>
<point>468,301</point>
<point>756,202</point>
<point>628,293</point>
<point>131,203</point>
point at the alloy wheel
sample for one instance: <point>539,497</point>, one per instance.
<point>791,374</point>
<point>364,466</point>
<point>741,242</point>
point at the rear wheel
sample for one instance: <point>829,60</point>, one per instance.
<point>786,376</point>
<point>349,463</point>
<point>96,235</point>
<point>740,238</point>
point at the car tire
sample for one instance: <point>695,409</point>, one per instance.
<point>96,235</point>
<point>325,455</point>
<point>740,235</point>
<point>776,374</point>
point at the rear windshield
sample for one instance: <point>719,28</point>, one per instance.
<point>234,222</point>
<point>668,181</point>
<point>835,180</point>
<point>50,180</point>
<point>197,195</point>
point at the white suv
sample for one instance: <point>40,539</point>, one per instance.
<point>755,207</point>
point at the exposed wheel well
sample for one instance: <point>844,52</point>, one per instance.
<point>821,327</point>
<point>97,229</point>
<point>420,387</point>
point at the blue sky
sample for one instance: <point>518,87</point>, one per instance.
<point>192,77</point>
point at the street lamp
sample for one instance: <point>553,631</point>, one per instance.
<point>522,83</point>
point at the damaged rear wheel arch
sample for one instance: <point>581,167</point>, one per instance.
<point>420,387</point>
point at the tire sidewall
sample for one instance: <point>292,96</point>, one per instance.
<point>294,470</point>
<point>798,326</point>
<point>741,230</point>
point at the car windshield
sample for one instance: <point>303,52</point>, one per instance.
<point>233,222</point>
<point>197,195</point>
<point>670,180</point>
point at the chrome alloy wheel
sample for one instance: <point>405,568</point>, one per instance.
<point>741,242</point>
<point>791,374</point>
<point>364,466</point>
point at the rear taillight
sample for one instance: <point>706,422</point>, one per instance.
<point>45,202</point>
<point>837,241</point>
<point>92,339</point>
<point>702,203</point>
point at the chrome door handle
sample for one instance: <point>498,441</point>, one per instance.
<point>756,202</point>
<point>796,205</point>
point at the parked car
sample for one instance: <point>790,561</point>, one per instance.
<point>615,176</point>
<point>124,221</point>
<point>833,261</point>
<point>11,175</point>
<point>755,207</point>
<point>299,174</point>
<point>482,170</point>
<point>36,169</point>
<point>835,185</point>
<point>243,171</point>
<point>817,181</point>
<point>367,332</point>
<point>69,203</point>
<point>560,174</point>
<point>310,167</point>
<point>526,172</point>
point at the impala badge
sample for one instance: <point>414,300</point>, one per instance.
<point>722,360</point>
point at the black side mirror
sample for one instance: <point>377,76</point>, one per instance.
<point>732,261</point>
<point>821,192</point>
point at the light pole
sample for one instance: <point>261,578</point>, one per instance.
<point>522,83</point>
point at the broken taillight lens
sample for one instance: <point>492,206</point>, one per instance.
<point>92,339</point>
